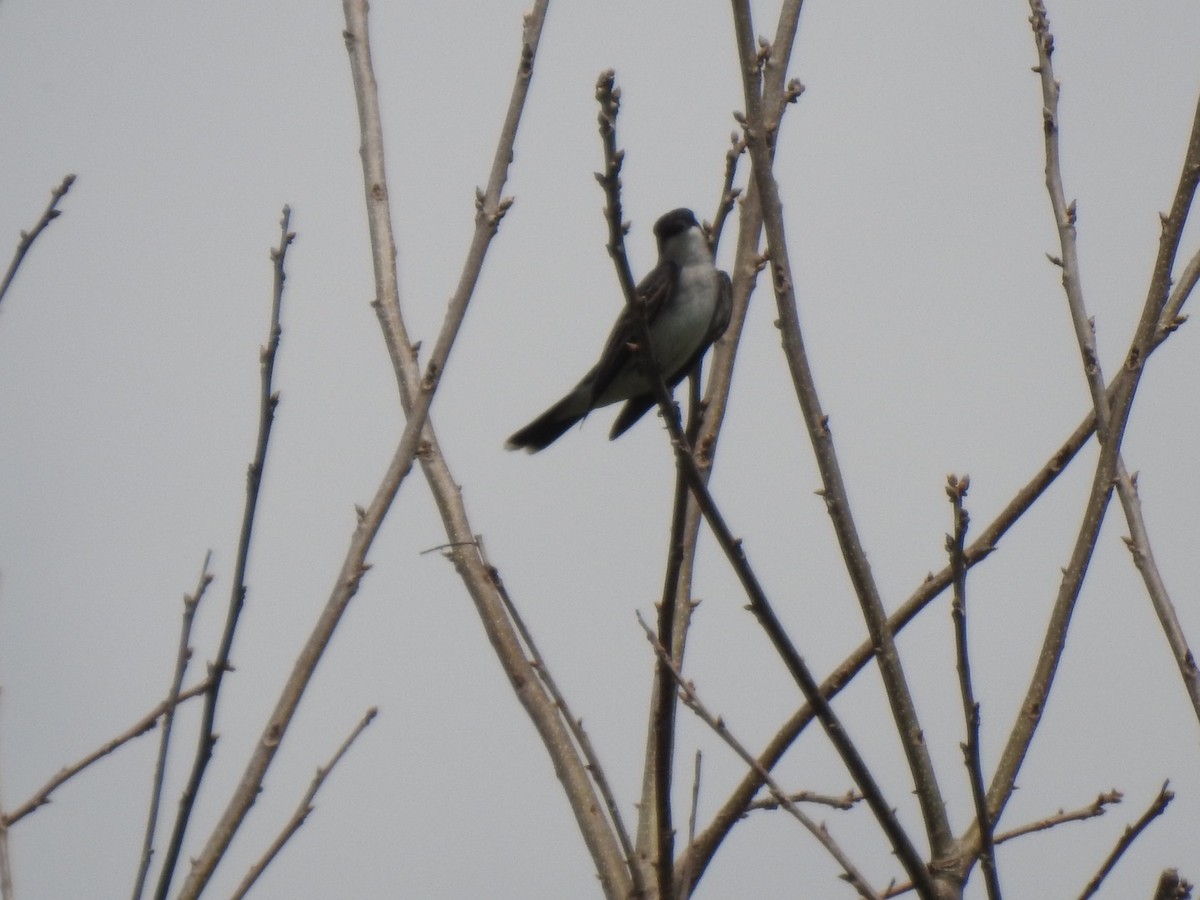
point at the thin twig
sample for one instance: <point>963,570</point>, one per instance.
<point>761,607</point>
<point>1097,807</point>
<point>1065,217</point>
<point>684,880</point>
<point>663,719</point>
<point>608,95</point>
<point>1128,836</point>
<point>687,693</point>
<point>758,138</point>
<point>7,891</point>
<point>656,821</point>
<point>570,768</point>
<point>28,237</point>
<point>1140,550</point>
<point>674,609</point>
<point>1172,316</point>
<point>932,586</point>
<point>748,262</point>
<point>183,655</point>
<point>268,401</point>
<point>729,194</point>
<point>956,490</point>
<point>1120,405</point>
<point>574,725</point>
<point>302,811</point>
<point>146,723</point>
<point>845,801</point>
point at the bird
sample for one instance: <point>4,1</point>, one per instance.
<point>687,302</point>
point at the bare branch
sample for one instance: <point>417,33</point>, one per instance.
<point>28,237</point>
<point>759,136</point>
<point>663,717</point>
<point>844,801</point>
<point>956,489</point>
<point>191,602</point>
<point>684,879</point>
<point>1096,808</point>
<point>1156,809</point>
<point>268,401</point>
<point>1172,317</point>
<point>748,262</point>
<point>834,492</point>
<point>42,796</point>
<point>569,766</point>
<point>1065,217</point>
<point>1120,405</point>
<point>1138,543</point>
<point>761,608</point>
<point>729,193</point>
<point>655,825</point>
<point>687,693</point>
<point>302,811</point>
<point>932,586</point>
<point>574,724</point>
<point>609,97</point>
<point>7,891</point>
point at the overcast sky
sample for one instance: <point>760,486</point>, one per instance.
<point>911,173</point>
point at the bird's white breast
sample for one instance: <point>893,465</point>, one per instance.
<point>681,328</point>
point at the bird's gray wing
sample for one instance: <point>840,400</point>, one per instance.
<point>638,406</point>
<point>652,291</point>
<point>723,311</point>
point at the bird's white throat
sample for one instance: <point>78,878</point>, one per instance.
<point>688,249</point>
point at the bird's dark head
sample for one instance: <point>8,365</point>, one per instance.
<point>674,223</point>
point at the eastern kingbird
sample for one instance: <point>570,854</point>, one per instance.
<point>687,303</point>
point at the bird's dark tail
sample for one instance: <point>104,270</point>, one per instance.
<point>634,409</point>
<point>548,427</point>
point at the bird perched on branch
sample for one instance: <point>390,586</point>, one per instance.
<point>687,302</point>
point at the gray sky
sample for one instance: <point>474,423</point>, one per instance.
<point>912,179</point>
